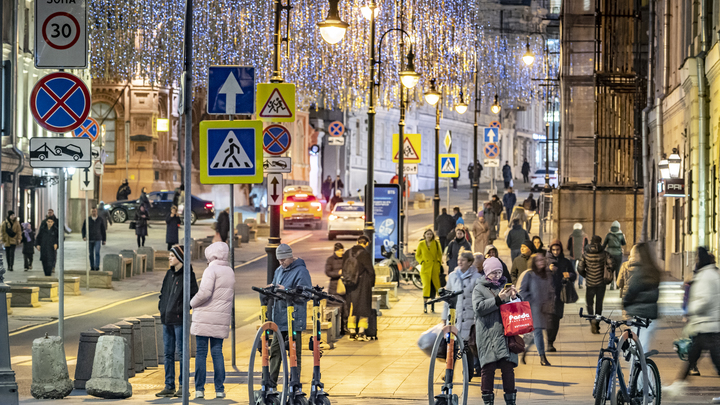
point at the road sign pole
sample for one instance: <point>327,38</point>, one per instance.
<point>401,180</point>
<point>61,253</point>
<point>187,104</point>
<point>436,198</point>
<point>231,241</point>
<point>475,162</point>
<point>87,240</point>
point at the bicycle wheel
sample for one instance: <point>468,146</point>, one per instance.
<point>602,383</point>
<point>637,383</point>
<point>416,280</point>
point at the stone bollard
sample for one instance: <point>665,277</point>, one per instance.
<point>147,330</point>
<point>159,339</point>
<point>50,378</point>
<point>126,333</point>
<point>85,358</point>
<point>109,374</point>
<point>137,345</point>
<point>110,330</point>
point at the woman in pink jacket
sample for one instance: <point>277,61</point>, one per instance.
<point>212,308</point>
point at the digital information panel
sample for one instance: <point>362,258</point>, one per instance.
<point>387,217</point>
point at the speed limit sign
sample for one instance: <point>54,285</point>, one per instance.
<point>61,34</point>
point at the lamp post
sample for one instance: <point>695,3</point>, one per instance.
<point>475,179</point>
<point>433,96</point>
<point>528,59</point>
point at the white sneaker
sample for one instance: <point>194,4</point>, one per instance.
<point>199,394</point>
<point>716,400</point>
<point>220,395</point>
<point>675,389</point>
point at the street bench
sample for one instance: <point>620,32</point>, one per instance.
<point>48,289</point>
<point>384,297</point>
<point>140,264</point>
<point>162,260</point>
<point>98,279</point>
<point>150,253</point>
<point>333,319</point>
<point>8,297</point>
<point>25,296</point>
<point>118,265</point>
<point>71,284</point>
<point>390,287</point>
<point>129,254</point>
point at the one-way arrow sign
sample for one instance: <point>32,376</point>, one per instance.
<point>231,89</point>
<point>87,181</point>
<point>275,188</point>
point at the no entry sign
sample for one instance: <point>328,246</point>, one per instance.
<point>61,34</point>
<point>60,102</point>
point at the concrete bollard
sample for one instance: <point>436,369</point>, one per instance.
<point>109,374</point>
<point>85,357</point>
<point>137,345</point>
<point>147,330</point>
<point>50,378</point>
<point>126,333</point>
<point>159,339</point>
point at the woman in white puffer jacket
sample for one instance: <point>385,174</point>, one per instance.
<point>212,309</point>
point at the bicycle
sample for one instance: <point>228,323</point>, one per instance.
<point>609,372</point>
<point>450,334</point>
<point>266,395</point>
<point>403,268</point>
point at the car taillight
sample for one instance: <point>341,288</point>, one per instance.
<point>363,217</point>
<point>208,205</point>
<point>317,204</point>
<point>288,205</point>
<point>332,217</point>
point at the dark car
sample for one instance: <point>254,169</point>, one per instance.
<point>160,203</point>
<point>70,150</point>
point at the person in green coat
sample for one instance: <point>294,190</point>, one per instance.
<point>429,255</point>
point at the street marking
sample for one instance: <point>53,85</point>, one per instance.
<point>252,317</point>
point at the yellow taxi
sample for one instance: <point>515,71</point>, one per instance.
<point>300,207</point>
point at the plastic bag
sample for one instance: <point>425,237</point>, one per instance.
<point>516,318</point>
<point>427,338</point>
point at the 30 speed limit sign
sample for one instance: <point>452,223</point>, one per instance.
<point>61,34</point>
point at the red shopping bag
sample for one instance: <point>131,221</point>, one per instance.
<point>516,318</point>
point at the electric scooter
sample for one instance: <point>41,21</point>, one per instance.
<point>294,395</point>
<point>267,395</point>
<point>318,396</point>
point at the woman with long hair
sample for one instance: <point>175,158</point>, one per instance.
<point>429,255</point>
<point>537,289</point>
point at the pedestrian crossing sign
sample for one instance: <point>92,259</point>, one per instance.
<point>412,148</point>
<point>449,166</point>
<point>231,152</point>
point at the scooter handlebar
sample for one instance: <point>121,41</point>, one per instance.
<point>318,292</point>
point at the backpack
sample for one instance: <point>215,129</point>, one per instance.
<point>613,241</point>
<point>350,270</point>
<point>527,204</point>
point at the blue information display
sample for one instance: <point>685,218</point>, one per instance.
<point>387,217</point>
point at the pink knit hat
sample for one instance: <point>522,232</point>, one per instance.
<point>491,264</point>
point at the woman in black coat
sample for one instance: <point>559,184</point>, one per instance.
<point>144,200</point>
<point>333,269</point>
<point>563,272</point>
<point>173,224</point>
<point>454,248</point>
<point>141,225</point>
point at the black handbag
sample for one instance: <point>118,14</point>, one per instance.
<point>568,294</point>
<point>133,225</point>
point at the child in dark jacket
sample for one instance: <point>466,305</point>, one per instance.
<point>28,240</point>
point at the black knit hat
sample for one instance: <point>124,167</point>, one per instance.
<point>10,213</point>
<point>179,253</point>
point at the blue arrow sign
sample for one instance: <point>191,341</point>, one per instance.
<point>492,135</point>
<point>231,90</point>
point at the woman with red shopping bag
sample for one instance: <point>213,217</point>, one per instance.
<point>537,288</point>
<point>492,345</point>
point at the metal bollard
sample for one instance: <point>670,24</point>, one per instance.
<point>126,332</point>
<point>147,329</point>
<point>85,357</point>
<point>137,346</point>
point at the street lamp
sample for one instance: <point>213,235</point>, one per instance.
<point>462,106</point>
<point>664,167</point>
<point>674,163</point>
<point>432,96</point>
<point>528,57</point>
<point>367,11</point>
<point>333,28</point>
<point>495,107</point>
<point>409,77</point>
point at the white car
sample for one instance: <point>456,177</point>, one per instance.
<point>347,218</point>
<point>537,180</point>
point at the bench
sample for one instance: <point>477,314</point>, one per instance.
<point>150,253</point>
<point>332,317</point>
<point>162,262</point>
<point>129,254</point>
<point>391,288</point>
<point>140,264</point>
<point>376,304</point>
<point>8,296</point>
<point>25,296</point>
<point>117,265</point>
<point>384,297</point>
<point>98,279</point>
<point>201,246</point>
<point>71,284</point>
<point>48,289</point>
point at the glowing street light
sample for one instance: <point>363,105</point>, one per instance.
<point>333,28</point>
<point>495,108</point>
<point>462,106</point>
<point>432,96</point>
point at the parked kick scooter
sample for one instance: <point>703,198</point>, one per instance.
<point>266,395</point>
<point>318,396</point>
<point>450,333</point>
<point>294,396</point>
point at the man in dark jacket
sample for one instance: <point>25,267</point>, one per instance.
<point>576,245</point>
<point>509,201</point>
<point>292,273</point>
<point>359,279</point>
<point>520,264</point>
<point>507,174</point>
<point>171,316</point>
<point>562,273</point>
<point>123,191</point>
<point>96,235</point>
<point>104,214</point>
<point>444,223</point>
<point>595,260</point>
<point>47,243</point>
<point>515,239</point>
<point>326,189</point>
<point>525,171</point>
<point>497,207</point>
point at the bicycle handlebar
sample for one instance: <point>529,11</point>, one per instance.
<point>318,292</point>
<point>445,296</point>
<point>640,322</point>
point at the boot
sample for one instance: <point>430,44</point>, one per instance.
<point>544,361</point>
<point>551,348</point>
<point>510,398</point>
<point>595,327</point>
<point>489,399</point>
<point>523,356</point>
<point>432,307</point>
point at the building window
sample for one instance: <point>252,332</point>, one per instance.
<point>106,117</point>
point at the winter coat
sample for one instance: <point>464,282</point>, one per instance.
<point>497,207</point>
<point>171,232</point>
<point>141,223</point>
<point>453,252</point>
<point>614,240</point>
<point>481,233</point>
<point>539,292</point>
<point>525,168</point>
<point>562,265</point>
<point>223,225</point>
<point>703,308</point>
<point>576,244</point>
<point>530,204</point>
<point>464,312</point>
<point>639,286</point>
<point>333,269</point>
<point>520,264</point>
<point>105,215</point>
<point>516,237</point>
<point>489,331</point>
<point>360,294</point>
<point>28,242</point>
<point>171,296</point>
<point>444,223</point>
<point>507,173</point>
<point>592,265</point>
<point>451,235</point>
<point>97,229</point>
<point>212,305</point>
<point>47,239</point>
<point>11,232</point>
<point>145,201</point>
<point>509,200</point>
<point>519,214</point>
<point>123,192</point>
<point>491,220</point>
<point>296,274</point>
<point>326,188</point>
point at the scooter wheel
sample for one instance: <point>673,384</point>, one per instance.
<point>274,401</point>
<point>301,401</point>
<point>322,400</point>
<point>441,401</point>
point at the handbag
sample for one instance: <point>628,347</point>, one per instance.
<point>340,287</point>
<point>568,294</point>
<point>516,318</point>
<point>443,278</point>
<point>682,347</point>
<point>133,225</point>
<point>516,344</point>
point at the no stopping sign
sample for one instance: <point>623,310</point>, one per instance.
<point>61,34</point>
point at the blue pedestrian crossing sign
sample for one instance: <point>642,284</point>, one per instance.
<point>449,165</point>
<point>492,135</point>
<point>231,152</point>
<point>231,90</point>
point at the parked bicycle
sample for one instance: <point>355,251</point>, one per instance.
<point>403,268</point>
<point>450,336</point>
<point>268,328</point>
<point>645,386</point>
